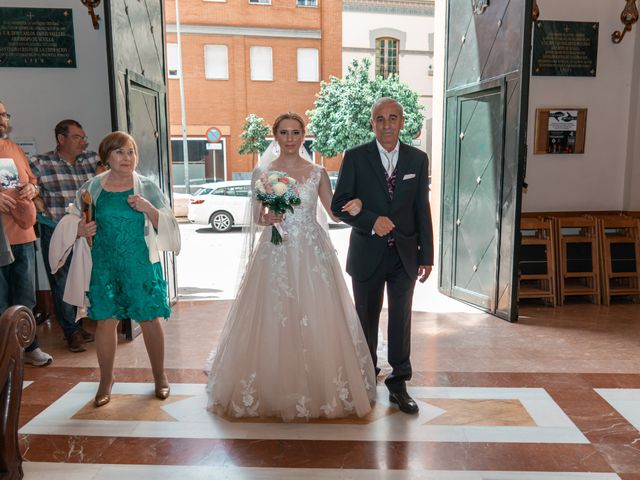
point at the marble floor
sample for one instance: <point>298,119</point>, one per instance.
<point>555,396</point>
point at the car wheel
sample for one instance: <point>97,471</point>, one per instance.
<point>221,221</point>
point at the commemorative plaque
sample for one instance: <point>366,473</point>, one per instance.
<point>565,49</point>
<point>37,37</point>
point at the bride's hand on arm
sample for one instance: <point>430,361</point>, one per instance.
<point>325,194</point>
<point>353,207</point>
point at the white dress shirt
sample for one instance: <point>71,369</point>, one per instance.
<point>389,159</point>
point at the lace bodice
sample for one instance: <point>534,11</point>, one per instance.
<point>304,233</point>
<point>308,189</point>
<point>303,223</point>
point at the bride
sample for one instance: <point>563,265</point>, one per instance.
<point>292,346</point>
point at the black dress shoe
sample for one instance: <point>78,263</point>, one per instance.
<point>405,403</point>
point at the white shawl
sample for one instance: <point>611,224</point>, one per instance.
<point>64,240</point>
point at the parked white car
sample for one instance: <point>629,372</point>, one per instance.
<point>221,204</point>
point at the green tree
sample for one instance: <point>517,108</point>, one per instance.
<point>253,136</point>
<point>341,115</point>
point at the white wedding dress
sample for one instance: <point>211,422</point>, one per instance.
<point>292,346</point>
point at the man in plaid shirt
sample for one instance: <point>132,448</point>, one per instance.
<point>60,174</point>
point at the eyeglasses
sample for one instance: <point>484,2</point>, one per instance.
<point>5,115</point>
<point>77,137</point>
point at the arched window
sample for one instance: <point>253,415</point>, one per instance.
<point>387,56</point>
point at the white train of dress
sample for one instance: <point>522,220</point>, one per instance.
<point>292,346</point>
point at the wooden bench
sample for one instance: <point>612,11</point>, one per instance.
<point>17,330</point>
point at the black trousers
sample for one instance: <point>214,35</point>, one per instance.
<point>369,296</point>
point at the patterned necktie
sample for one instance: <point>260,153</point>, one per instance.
<point>391,186</point>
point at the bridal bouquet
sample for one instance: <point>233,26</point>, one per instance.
<point>279,193</point>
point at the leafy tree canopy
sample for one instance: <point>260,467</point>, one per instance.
<point>253,135</point>
<point>341,115</point>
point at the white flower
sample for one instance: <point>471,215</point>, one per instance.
<point>260,186</point>
<point>273,177</point>
<point>279,189</point>
<point>329,408</point>
<point>343,393</point>
<point>237,411</point>
<point>303,411</point>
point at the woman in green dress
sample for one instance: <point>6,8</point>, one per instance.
<point>133,221</point>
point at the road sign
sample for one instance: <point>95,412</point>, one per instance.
<point>214,135</point>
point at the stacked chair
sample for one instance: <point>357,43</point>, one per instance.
<point>619,239</point>
<point>578,258</point>
<point>589,255</point>
<point>537,260</point>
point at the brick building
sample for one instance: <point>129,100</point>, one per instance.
<point>240,57</point>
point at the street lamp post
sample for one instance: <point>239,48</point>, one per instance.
<point>185,150</point>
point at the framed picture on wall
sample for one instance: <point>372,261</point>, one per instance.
<point>560,130</point>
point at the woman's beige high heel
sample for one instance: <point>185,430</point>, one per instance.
<point>163,392</point>
<point>102,399</point>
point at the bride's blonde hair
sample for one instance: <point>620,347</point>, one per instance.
<point>288,116</point>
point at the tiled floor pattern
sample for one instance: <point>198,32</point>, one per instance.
<point>501,426</point>
<point>573,370</point>
<point>453,414</point>
<point>136,472</point>
<point>625,401</point>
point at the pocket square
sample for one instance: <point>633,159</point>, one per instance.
<point>409,176</point>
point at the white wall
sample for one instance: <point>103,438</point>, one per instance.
<point>631,200</point>
<point>38,98</point>
<point>414,59</point>
<point>594,180</point>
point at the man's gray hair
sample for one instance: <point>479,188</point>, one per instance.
<point>382,100</point>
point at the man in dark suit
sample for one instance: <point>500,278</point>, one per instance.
<point>392,238</point>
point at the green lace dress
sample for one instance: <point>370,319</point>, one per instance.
<point>124,283</point>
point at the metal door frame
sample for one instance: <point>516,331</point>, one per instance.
<point>522,75</point>
<point>474,91</point>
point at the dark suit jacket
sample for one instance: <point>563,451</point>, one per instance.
<point>362,176</point>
